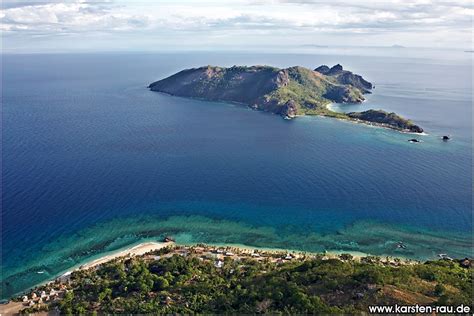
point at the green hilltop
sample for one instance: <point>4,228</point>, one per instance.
<point>288,92</point>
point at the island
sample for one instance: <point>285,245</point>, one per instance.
<point>288,92</point>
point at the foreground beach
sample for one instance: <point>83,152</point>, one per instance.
<point>166,277</point>
<point>222,250</point>
<point>147,247</point>
<point>137,250</point>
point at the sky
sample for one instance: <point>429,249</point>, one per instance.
<point>147,25</point>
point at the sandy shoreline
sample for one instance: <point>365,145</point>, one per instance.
<point>145,247</point>
<point>13,307</point>
<point>137,250</point>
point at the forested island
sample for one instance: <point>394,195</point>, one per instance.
<point>228,280</point>
<point>287,92</point>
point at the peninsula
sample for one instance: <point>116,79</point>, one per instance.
<point>287,92</point>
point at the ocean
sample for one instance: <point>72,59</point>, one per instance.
<point>92,161</point>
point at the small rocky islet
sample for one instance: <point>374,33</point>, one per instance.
<point>287,92</point>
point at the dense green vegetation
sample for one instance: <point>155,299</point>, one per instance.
<point>310,91</point>
<point>191,284</point>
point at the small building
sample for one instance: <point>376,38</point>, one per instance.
<point>24,298</point>
<point>219,264</point>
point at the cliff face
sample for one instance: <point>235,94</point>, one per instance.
<point>345,77</point>
<point>288,92</point>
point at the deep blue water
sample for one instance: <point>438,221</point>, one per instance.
<point>93,161</point>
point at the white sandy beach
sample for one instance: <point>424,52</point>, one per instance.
<point>137,250</point>
<point>13,308</point>
<point>143,248</point>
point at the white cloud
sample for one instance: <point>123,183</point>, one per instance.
<point>75,17</point>
<point>202,20</point>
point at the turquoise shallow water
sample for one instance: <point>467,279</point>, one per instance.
<point>93,162</point>
<point>371,237</point>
